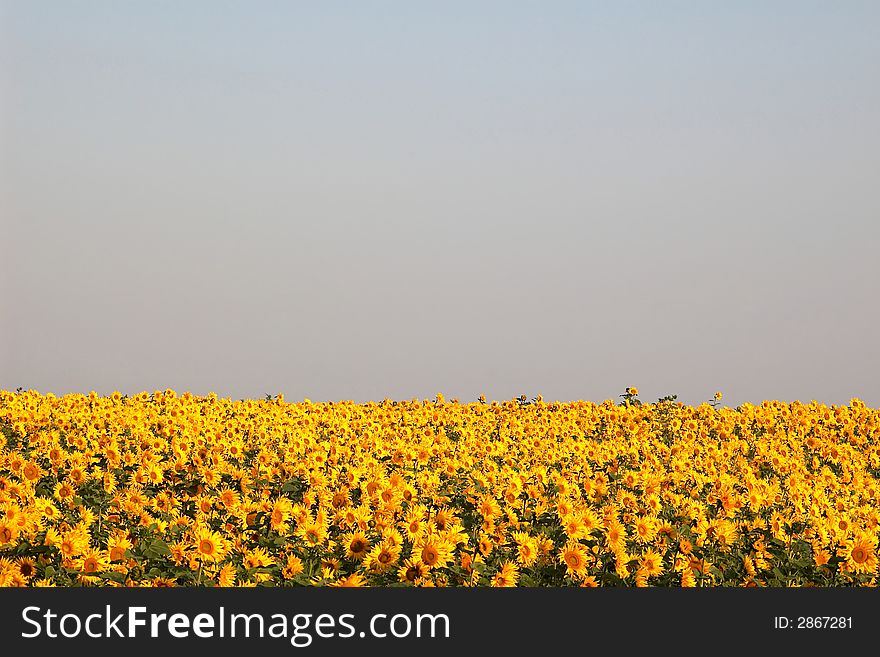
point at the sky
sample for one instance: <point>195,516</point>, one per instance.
<point>370,200</point>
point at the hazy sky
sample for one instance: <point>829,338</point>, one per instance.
<point>392,199</point>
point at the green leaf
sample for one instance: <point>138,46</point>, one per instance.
<point>157,549</point>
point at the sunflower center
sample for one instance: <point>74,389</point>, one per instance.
<point>859,555</point>
<point>206,546</point>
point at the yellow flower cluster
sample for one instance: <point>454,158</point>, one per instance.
<point>164,489</point>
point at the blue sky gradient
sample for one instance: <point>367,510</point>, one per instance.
<point>388,199</point>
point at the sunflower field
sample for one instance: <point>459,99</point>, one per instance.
<point>164,489</point>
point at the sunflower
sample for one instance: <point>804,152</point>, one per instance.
<point>527,549</point>
<point>64,492</point>
<point>93,561</point>
<point>443,518</point>
<point>412,571</point>
<point>179,551</point>
<point>163,582</point>
<point>723,531</point>
<point>860,553</point>
<point>545,545</point>
<point>574,557</point>
<point>651,563</point>
<point>330,566</point>
<point>413,525</point>
<point>154,475</point>
<point>392,536</point>
<point>820,557</point>
<point>339,499</point>
<point>356,546</point>
<point>645,529</point>
<point>258,558</point>
<point>209,545</point>
<point>666,532</point>
<point>382,557</point>
<point>8,533</point>
<point>226,576</point>
<point>355,580</point>
<point>31,471</point>
<point>278,519</point>
<point>574,527</point>
<point>77,476</point>
<point>117,545</point>
<point>688,579</point>
<point>434,553</point>
<point>73,543</point>
<point>26,568</point>
<point>293,567</point>
<point>313,532</point>
<point>47,510</point>
<point>229,498</point>
<point>615,536</point>
<point>204,504</point>
<point>489,508</point>
<point>507,575</point>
